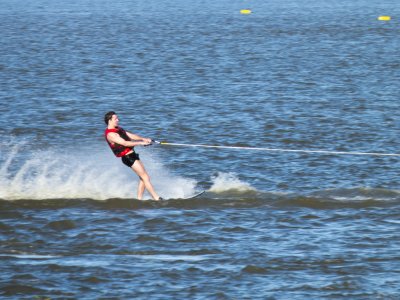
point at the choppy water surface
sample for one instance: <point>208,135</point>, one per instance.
<point>306,75</point>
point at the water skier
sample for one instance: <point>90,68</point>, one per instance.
<point>122,144</point>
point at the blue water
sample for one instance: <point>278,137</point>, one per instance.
<point>293,75</point>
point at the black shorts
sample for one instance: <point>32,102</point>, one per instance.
<point>130,159</point>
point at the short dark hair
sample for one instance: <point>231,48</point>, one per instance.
<point>108,116</point>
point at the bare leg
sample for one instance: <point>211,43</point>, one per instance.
<point>140,190</point>
<point>144,180</point>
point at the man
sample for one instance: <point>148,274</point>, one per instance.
<point>122,144</point>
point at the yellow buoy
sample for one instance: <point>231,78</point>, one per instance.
<point>384,18</point>
<point>245,11</point>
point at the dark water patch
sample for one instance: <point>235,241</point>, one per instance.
<point>4,227</point>
<point>219,295</point>
<point>118,203</point>
<point>204,252</point>
<point>139,252</point>
<point>87,246</point>
<point>52,266</point>
<point>17,244</point>
<point>20,289</point>
<point>61,225</point>
<point>332,203</point>
<point>251,269</point>
<point>359,193</point>
<point>345,284</point>
<point>45,203</point>
<point>93,280</point>
<point>7,212</point>
<point>385,259</point>
<point>114,220</point>
<point>194,238</point>
<point>157,223</point>
<point>310,217</point>
<point>24,277</point>
<point>82,236</point>
<point>147,238</point>
<point>194,254</point>
<point>237,229</point>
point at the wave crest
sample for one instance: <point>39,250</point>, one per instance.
<point>229,182</point>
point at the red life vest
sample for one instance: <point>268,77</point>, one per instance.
<point>119,150</point>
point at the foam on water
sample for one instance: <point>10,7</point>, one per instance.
<point>80,173</point>
<point>224,182</point>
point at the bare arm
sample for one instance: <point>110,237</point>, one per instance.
<point>136,137</point>
<point>115,138</point>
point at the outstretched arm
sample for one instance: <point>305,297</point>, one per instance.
<point>136,137</point>
<point>115,138</point>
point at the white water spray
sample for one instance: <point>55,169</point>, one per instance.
<point>82,173</point>
<point>224,182</point>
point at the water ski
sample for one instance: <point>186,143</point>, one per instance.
<point>185,198</point>
<point>194,196</point>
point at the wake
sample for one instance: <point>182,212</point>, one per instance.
<point>82,173</point>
